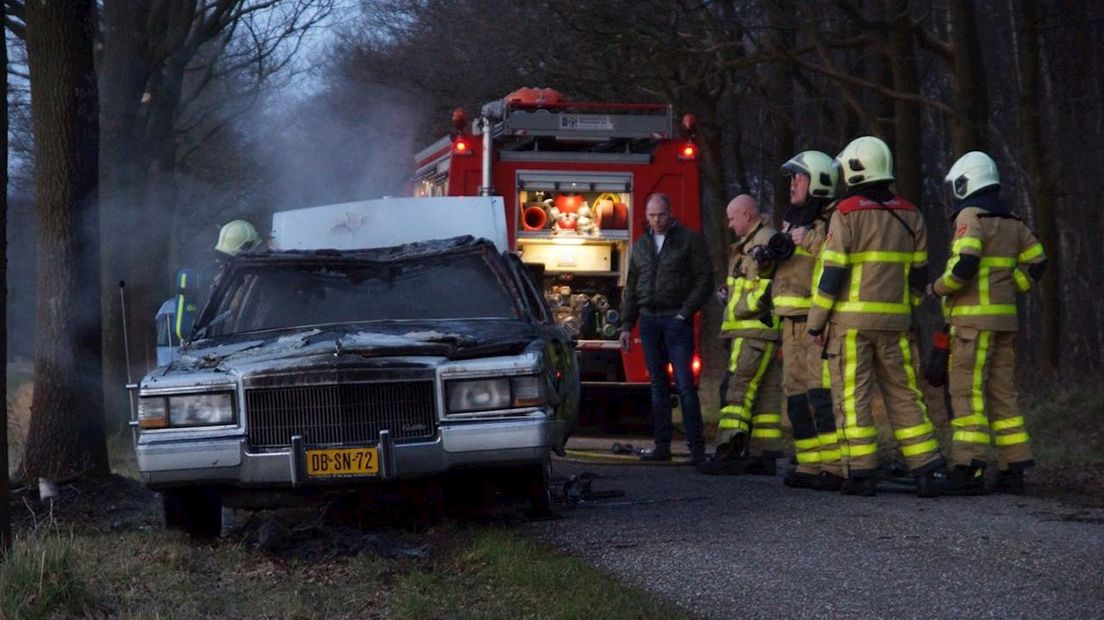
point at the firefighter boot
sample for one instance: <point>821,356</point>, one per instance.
<point>963,480</point>
<point>829,482</point>
<point>801,480</point>
<point>759,466</point>
<point>1009,481</point>
<point>865,487</point>
<point>926,485</point>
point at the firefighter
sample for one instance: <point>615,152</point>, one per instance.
<point>237,236</point>
<point>750,396</point>
<point>874,272</point>
<point>805,381</point>
<point>993,257</point>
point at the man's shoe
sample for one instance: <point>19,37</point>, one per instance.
<point>656,455</point>
<point>801,480</point>
<point>864,487</point>
<point>1009,481</point>
<point>829,482</point>
<point>962,480</point>
<point>926,485</point>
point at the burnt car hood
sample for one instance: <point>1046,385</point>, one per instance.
<point>357,344</point>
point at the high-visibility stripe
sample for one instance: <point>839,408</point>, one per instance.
<point>983,285</point>
<point>850,363</point>
<point>861,432</point>
<point>736,410</point>
<point>1011,440</point>
<point>910,375</point>
<point>748,324</point>
<point>984,310</point>
<point>733,423</point>
<point>735,355</point>
<point>827,439</point>
<point>822,300</point>
<point>970,420</point>
<point>977,386</point>
<point>971,437</point>
<point>766,418</point>
<point>768,433</point>
<point>1003,425</point>
<point>923,447</point>
<point>1034,251</point>
<point>800,251</point>
<point>872,307</point>
<point>911,432</point>
<point>183,282</point>
<point>807,444</point>
<point>877,256</point>
<point>825,375</point>
<point>805,458</point>
<point>828,456</point>
<point>753,386</point>
<point>966,242</point>
<point>179,328</point>
<point>856,283</point>
<point>1023,283</point>
<point>998,261</point>
<point>952,282</point>
<point>792,301</point>
<point>831,256</point>
<point>862,449</point>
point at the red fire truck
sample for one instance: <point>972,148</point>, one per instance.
<point>574,178</point>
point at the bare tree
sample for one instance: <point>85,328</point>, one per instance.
<point>5,509</point>
<point>160,61</point>
<point>66,435</point>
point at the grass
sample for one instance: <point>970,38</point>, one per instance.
<point>1064,423</point>
<point>475,572</point>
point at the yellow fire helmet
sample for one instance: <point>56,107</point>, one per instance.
<point>865,160</point>
<point>819,167</point>
<point>236,236</point>
<point>972,172</point>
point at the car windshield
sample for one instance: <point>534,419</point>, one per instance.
<point>281,295</point>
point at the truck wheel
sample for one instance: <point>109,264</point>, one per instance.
<point>195,511</point>
<point>539,488</point>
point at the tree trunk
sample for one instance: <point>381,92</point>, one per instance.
<point>5,507</point>
<point>66,434</point>
<point>971,114</point>
<point>906,114</point>
<point>123,168</point>
<point>1041,186</point>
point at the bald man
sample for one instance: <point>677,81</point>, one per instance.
<point>751,398</point>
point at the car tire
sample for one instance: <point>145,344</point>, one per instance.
<point>197,512</point>
<point>538,487</point>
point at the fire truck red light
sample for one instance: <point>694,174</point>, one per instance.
<point>688,151</point>
<point>696,365</point>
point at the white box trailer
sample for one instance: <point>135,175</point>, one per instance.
<point>389,222</point>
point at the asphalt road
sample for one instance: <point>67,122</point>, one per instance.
<point>747,547</point>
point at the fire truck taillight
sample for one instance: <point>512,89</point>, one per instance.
<point>461,146</point>
<point>688,151</point>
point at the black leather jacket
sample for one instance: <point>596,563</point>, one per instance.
<point>676,280</point>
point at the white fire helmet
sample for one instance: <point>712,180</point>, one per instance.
<point>819,167</point>
<point>865,160</point>
<point>972,172</point>
<point>236,236</point>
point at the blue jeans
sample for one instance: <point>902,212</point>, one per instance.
<point>669,339</point>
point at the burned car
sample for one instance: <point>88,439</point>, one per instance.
<point>325,370</point>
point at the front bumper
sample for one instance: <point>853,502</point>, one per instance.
<point>227,460</point>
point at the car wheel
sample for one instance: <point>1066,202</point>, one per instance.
<point>195,511</point>
<point>539,487</point>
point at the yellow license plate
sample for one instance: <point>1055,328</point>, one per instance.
<point>343,462</point>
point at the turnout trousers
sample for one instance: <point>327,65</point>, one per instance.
<point>751,396</point>
<point>806,384</point>
<point>983,399</point>
<point>859,359</point>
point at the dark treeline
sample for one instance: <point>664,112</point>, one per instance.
<point>768,78</point>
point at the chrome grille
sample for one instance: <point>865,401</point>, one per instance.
<point>340,413</point>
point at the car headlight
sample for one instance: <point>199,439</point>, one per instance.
<point>489,394</point>
<point>186,410</point>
